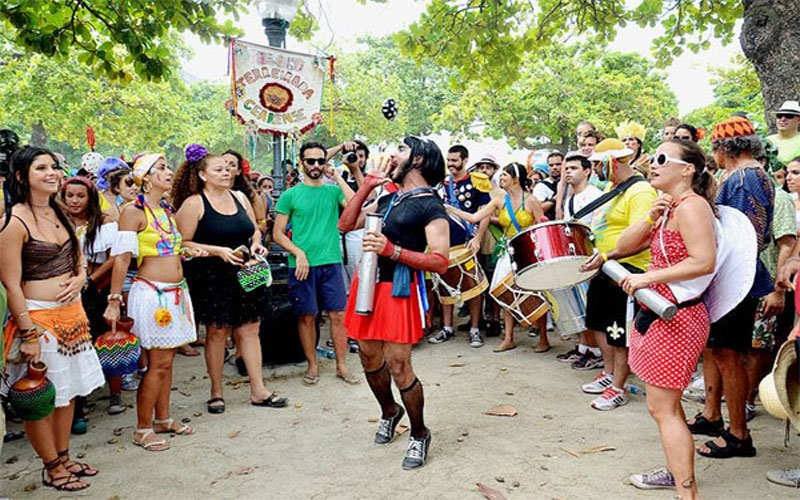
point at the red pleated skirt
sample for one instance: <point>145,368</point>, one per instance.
<point>393,319</point>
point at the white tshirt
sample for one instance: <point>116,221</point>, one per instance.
<point>579,201</point>
<point>542,191</point>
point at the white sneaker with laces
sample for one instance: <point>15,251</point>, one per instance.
<point>599,384</point>
<point>475,339</point>
<point>610,399</point>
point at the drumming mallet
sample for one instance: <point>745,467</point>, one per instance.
<point>367,270</point>
<point>655,302</point>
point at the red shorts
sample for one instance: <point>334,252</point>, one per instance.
<point>393,319</point>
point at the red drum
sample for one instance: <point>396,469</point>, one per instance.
<point>548,256</point>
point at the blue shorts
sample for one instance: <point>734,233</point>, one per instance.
<point>322,290</point>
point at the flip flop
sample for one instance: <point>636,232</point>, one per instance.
<point>272,401</point>
<point>309,380</point>
<point>349,378</point>
<point>504,349</point>
<point>188,350</point>
<point>540,349</point>
<point>183,430</point>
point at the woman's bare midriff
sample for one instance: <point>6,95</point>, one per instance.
<point>46,290</point>
<point>164,269</point>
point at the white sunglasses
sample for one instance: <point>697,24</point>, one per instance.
<point>662,159</point>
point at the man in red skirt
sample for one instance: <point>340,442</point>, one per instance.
<point>413,219</point>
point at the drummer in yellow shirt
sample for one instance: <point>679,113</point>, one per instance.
<point>608,309</point>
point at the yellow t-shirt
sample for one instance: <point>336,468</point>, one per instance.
<point>614,217</point>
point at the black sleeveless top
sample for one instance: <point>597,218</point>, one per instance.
<point>222,230</point>
<point>43,260</point>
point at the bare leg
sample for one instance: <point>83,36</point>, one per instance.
<point>250,346</point>
<point>621,368</point>
<point>712,408</point>
<point>339,336</point>
<point>216,338</point>
<point>447,315</point>
<point>757,361</point>
<point>665,407</point>
<point>541,325</point>
<point>509,322</point>
<point>308,339</point>
<point>734,386</point>
<point>151,391</point>
<point>474,305</point>
<point>607,350</point>
<point>43,437</point>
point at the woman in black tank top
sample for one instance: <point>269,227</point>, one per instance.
<point>216,219</point>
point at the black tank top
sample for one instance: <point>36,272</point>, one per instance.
<point>222,230</point>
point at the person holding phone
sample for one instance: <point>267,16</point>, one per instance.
<point>220,221</point>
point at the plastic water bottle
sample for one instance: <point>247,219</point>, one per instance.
<point>634,389</point>
<point>326,352</point>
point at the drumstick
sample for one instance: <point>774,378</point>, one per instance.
<point>653,300</point>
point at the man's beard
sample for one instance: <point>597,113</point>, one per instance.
<point>313,173</point>
<point>400,172</point>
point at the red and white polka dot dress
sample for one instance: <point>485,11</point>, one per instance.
<point>667,355</point>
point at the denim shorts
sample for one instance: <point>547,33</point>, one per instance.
<point>322,290</point>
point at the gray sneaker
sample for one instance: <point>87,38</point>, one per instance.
<point>475,339</point>
<point>387,426</point>
<point>442,336</point>
<point>130,382</point>
<point>417,452</point>
<point>660,479</point>
<point>115,404</point>
<point>785,477</point>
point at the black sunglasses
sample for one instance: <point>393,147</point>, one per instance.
<point>312,161</point>
<point>788,117</point>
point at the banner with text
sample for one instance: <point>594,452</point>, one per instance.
<point>275,90</point>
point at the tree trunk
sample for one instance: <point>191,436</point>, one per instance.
<point>38,135</point>
<point>770,39</point>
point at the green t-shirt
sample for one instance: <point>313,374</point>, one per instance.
<point>783,224</point>
<point>788,149</point>
<point>313,213</point>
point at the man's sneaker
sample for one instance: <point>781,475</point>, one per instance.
<point>475,339</point>
<point>602,381</point>
<point>115,404</point>
<point>660,479</point>
<point>442,336</point>
<point>387,426</point>
<point>417,451</point>
<point>130,382</point>
<point>785,477</point>
<point>588,362</point>
<point>610,399</point>
<point>570,356</point>
<point>749,412</point>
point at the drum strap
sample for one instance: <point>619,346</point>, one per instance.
<point>510,210</point>
<point>605,198</point>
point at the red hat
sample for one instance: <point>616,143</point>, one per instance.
<point>735,126</point>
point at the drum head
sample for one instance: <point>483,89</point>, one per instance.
<point>555,273</point>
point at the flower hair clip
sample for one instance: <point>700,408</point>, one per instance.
<point>195,153</point>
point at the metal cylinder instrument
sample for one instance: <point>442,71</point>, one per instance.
<point>367,270</point>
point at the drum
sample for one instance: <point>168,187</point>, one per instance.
<point>568,306</point>
<point>526,307</point>
<point>548,256</point>
<point>463,280</point>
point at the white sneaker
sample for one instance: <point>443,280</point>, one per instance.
<point>475,339</point>
<point>599,384</point>
<point>610,399</point>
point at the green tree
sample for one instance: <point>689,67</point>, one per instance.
<point>116,38</point>
<point>485,40</point>
<point>556,89</point>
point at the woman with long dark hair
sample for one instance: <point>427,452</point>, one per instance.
<point>680,230</point>
<point>527,212</point>
<point>43,270</point>
<point>159,301</point>
<point>240,183</point>
<point>96,233</point>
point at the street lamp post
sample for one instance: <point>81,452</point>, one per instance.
<point>275,17</point>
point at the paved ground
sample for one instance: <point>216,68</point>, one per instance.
<point>321,446</point>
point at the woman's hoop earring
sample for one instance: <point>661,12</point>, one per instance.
<point>146,186</point>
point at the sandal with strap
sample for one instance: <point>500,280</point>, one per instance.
<point>157,445</point>
<point>182,430</point>
<point>61,483</point>
<point>734,447</point>
<point>707,427</point>
<point>86,470</point>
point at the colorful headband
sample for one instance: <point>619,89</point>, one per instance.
<point>735,126</point>
<point>143,165</point>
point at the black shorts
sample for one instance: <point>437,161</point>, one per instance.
<point>607,308</point>
<point>735,329</point>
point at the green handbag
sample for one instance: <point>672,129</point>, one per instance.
<point>255,274</point>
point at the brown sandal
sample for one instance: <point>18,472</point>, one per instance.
<point>62,483</point>
<point>86,470</point>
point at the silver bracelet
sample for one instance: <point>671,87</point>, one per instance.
<point>396,253</point>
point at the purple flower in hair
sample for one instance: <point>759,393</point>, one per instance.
<point>195,152</point>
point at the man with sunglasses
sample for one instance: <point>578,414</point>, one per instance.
<point>316,276</point>
<point>787,140</point>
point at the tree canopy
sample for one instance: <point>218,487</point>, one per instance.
<point>115,38</point>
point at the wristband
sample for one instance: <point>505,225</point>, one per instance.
<point>23,313</point>
<point>604,256</point>
<point>396,253</point>
<point>650,220</point>
<point>114,297</point>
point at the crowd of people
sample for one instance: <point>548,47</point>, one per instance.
<point>166,248</point>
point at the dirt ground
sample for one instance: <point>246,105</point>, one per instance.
<point>320,447</point>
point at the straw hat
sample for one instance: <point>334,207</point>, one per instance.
<point>780,390</point>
